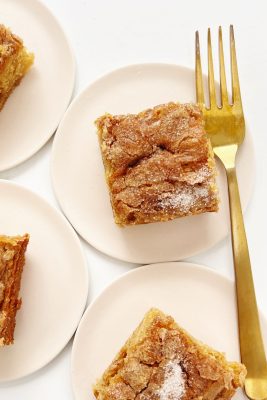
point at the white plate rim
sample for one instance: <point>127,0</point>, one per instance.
<point>58,134</point>
<point>85,271</point>
<point>71,83</point>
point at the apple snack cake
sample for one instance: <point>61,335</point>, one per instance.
<point>159,164</point>
<point>15,61</point>
<point>161,361</point>
<point>12,259</point>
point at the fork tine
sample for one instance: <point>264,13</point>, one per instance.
<point>199,79</point>
<point>211,73</point>
<point>223,85</point>
<point>236,94</point>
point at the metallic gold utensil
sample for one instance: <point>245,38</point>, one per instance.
<point>225,125</point>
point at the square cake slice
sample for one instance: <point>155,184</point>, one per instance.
<point>12,259</point>
<point>15,61</point>
<point>159,164</point>
<point>161,361</point>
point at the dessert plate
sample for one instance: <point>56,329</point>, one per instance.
<point>78,173</point>
<point>54,284</point>
<point>33,111</point>
<point>182,290</point>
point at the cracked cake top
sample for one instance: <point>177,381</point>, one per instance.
<point>161,361</point>
<point>175,128</point>
<point>158,163</point>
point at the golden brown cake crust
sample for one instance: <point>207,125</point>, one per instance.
<point>9,45</point>
<point>12,259</point>
<point>161,361</point>
<point>159,164</point>
<point>15,61</point>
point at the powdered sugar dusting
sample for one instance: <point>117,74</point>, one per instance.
<point>198,176</point>
<point>184,199</point>
<point>174,385</point>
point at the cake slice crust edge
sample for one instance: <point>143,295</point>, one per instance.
<point>12,260</point>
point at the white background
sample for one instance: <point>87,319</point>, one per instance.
<point>109,34</point>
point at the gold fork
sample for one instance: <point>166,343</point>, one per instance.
<point>225,125</point>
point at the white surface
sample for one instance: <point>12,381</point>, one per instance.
<point>76,159</point>
<point>35,107</point>
<point>109,34</point>
<point>54,285</point>
<point>163,286</point>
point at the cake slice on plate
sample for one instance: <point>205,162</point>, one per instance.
<point>159,164</point>
<point>12,259</point>
<point>161,361</point>
<point>15,61</point>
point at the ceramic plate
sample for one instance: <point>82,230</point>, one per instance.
<point>180,289</point>
<point>33,111</point>
<point>54,282</point>
<point>78,174</point>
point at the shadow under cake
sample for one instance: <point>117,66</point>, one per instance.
<point>159,164</point>
<point>161,361</point>
<point>15,61</point>
<point>12,259</point>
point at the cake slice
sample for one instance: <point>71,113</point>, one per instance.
<point>161,361</point>
<point>12,259</point>
<point>15,60</point>
<point>159,164</point>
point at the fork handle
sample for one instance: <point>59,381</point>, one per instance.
<point>251,343</point>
